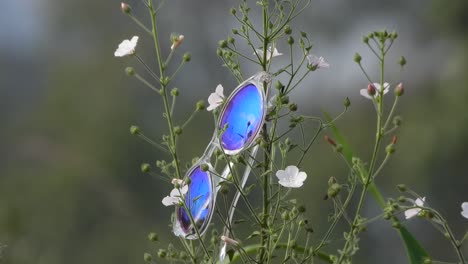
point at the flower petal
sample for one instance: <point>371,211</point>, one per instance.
<point>364,93</point>
<point>292,171</point>
<point>302,176</point>
<point>219,90</point>
<point>281,175</point>
<point>168,201</point>
<point>412,212</point>
<point>420,202</point>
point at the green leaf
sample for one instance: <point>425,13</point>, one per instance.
<point>416,253</point>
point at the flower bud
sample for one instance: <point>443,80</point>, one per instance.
<point>147,257</point>
<point>229,241</point>
<point>287,30</point>
<point>293,107</point>
<point>394,139</point>
<point>145,167</point>
<point>365,39</point>
<point>205,167</point>
<point>357,58</point>
<point>396,225</point>
<point>126,9</point>
<point>233,11</point>
<point>301,209</point>
<point>177,130</point>
<point>346,102</point>
<point>187,57</point>
<point>427,261</point>
<point>329,140</point>
<point>235,31</point>
<point>219,52</point>
<point>175,92</point>
<point>162,253</point>
<point>303,34</point>
<point>134,130</point>
<point>402,199</point>
<point>371,89</point>
<point>130,71</point>
<point>285,99</point>
<point>390,149</point>
<point>200,105</point>
<point>334,190</point>
<point>401,187</point>
<point>393,35</point>
<point>399,90</point>
<point>176,41</point>
<point>153,237</point>
<point>222,43</point>
<point>224,189</point>
<point>402,61</point>
<point>397,121</point>
<point>231,40</point>
<point>290,40</point>
<point>279,85</point>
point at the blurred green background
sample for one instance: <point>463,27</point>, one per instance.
<point>70,186</point>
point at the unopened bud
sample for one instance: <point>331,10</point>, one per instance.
<point>390,149</point>
<point>290,40</point>
<point>205,167</point>
<point>145,167</point>
<point>399,90</point>
<point>176,41</point>
<point>287,30</point>
<point>134,130</point>
<point>371,89</point>
<point>153,237</point>
<point>402,61</point>
<point>331,181</point>
<point>357,58</point>
<point>285,216</point>
<point>147,257</point>
<point>329,140</point>
<point>175,92</point>
<point>334,190</point>
<point>293,107</point>
<point>177,130</point>
<point>229,241</point>
<point>222,43</point>
<point>346,102</point>
<point>130,71</point>
<point>233,11</point>
<point>162,253</point>
<point>200,105</point>
<point>365,39</point>
<point>125,8</point>
<point>187,57</point>
<point>397,120</point>
<point>394,139</point>
<point>401,187</point>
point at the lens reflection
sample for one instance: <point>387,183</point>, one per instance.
<point>243,114</point>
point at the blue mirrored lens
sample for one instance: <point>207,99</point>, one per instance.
<point>198,201</point>
<point>243,114</point>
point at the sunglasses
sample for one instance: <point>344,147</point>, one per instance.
<point>239,124</point>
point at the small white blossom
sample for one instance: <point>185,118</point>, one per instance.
<point>177,41</point>
<point>317,62</point>
<point>464,211</point>
<point>271,52</point>
<point>176,196</point>
<point>415,211</point>
<point>377,90</point>
<point>126,47</point>
<point>216,99</point>
<point>291,177</point>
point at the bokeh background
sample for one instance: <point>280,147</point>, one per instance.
<point>70,186</point>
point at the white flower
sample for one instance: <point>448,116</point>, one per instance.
<point>216,99</point>
<point>177,41</point>
<point>291,177</point>
<point>271,52</point>
<point>464,211</point>
<point>377,86</point>
<point>317,62</point>
<point>127,47</point>
<point>415,211</point>
<point>176,196</point>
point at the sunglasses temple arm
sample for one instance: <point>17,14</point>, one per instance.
<point>226,231</point>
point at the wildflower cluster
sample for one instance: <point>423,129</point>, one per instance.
<point>274,226</point>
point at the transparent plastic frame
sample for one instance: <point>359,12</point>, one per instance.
<point>258,80</point>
